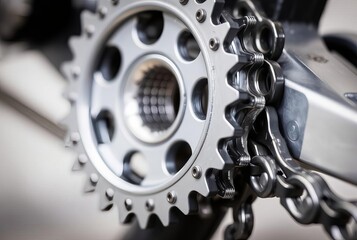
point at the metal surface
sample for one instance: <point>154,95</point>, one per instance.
<point>304,194</point>
<point>317,105</point>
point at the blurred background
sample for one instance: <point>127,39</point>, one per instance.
<point>40,198</point>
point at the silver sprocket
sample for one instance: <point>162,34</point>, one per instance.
<point>214,36</point>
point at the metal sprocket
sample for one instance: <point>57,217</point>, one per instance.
<point>214,37</point>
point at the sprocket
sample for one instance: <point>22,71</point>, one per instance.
<point>151,84</point>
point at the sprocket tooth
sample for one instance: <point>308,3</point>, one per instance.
<point>104,3</point>
<point>143,221</point>
<point>222,30</point>
<point>220,163</point>
<point>66,70</point>
<point>72,139</point>
<point>91,183</point>
<point>217,9</point>
<point>213,159</point>
<point>88,18</point>
<point>232,58</point>
<point>77,166</point>
<point>75,43</point>
<point>106,201</point>
<point>165,219</point>
<point>185,206</point>
<point>226,129</point>
<point>202,188</point>
<point>124,216</point>
<point>231,94</point>
<point>70,94</point>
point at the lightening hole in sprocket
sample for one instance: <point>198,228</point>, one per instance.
<point>200,99</point>
<point>177,156</point>
<point>188,46</point>
<point>150,26</point>
<point>104,127</point>
<point>135,167</point>
<point>110,63</point>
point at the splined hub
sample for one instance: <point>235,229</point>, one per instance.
<point>154,98</point>
<point>158,99</point>
<point>150,87</point>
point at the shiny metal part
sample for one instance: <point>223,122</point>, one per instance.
<point>153,81</point>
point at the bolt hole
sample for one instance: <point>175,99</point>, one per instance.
<point>150,26</point>
<point>177,156</point>
<point>104,127</point>
<point>201,15</point>
<point>135,168</point>
<point>200,99</point>
<point>188,46</point>
<point>200,1</point>
<point>214,44</point>
<point>110,63</point>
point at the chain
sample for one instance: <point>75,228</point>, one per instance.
<point>272,172</point>
<point>260,82</point>
<point>303,193</point>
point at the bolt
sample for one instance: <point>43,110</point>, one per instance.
<point>75,137</point>
<point>75,72</point>
<point>90,29</point>
<point>82,159</point>
<point>201,15</point>
<point>150,205</point>
<point>94,178</point>
<point>102,12</point>
<point>171,197</point>
<point>128,204</point>
<point>183,2</point>
<point>196,172</point>
<point>72,97</point>
<point>293,131</point>
<point>214,44</point>
<point>109,194</point>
